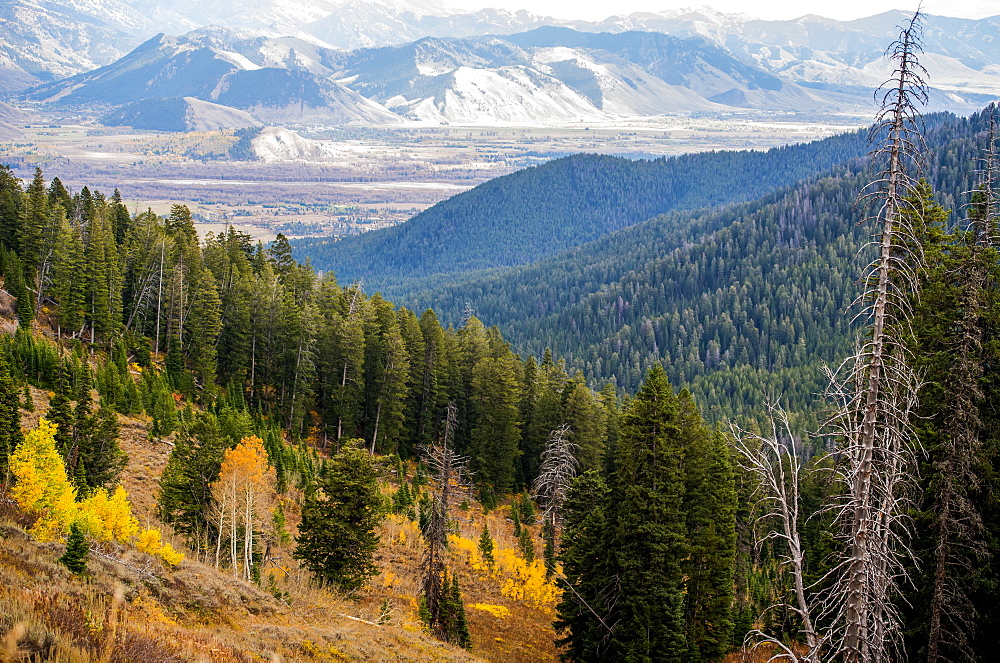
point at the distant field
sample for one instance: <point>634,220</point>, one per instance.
<point>366,178</point>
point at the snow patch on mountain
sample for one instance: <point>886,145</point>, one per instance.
<point>276,144</point>
<point>505,95</point>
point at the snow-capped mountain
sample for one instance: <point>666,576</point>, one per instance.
<point>43,41</point>
<point>558,74</point>
<point>169,67</point>
<point>962,55</point>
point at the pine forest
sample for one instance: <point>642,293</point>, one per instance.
<point>735,406</point>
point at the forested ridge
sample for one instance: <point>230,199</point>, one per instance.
<point>540,211</point>
<point>740,303</point>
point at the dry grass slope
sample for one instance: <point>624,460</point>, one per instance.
<point>195,612</point>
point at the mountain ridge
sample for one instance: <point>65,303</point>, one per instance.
<point>540,211</point>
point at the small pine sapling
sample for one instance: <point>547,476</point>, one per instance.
<point>527,545</point>
<point>77,548</point>
<point>486,546</point>
<point>461,628</point>
<point>527,508</point>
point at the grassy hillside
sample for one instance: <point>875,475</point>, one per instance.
<point>130,607</point>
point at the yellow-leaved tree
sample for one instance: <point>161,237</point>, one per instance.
<point>241,498</point>
<point>108,518</point>
<point>41,486</point>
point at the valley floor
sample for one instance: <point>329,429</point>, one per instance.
<point>347,180</point>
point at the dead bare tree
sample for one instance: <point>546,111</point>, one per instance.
<point>957,526</point>
<point>874,391</point>
<point>559,466</point>
<point>773,460</point>
<point>448,470</point>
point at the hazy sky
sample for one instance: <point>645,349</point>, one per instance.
<point>773,9</point>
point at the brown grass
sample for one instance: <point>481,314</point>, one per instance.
<point>190,613</point>
<point>199,613</point>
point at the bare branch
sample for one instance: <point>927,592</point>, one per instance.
<point>559,466</point>
<point>773,460</point>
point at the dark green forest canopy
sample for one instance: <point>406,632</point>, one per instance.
<point>540,211</point>
<point>740,302</point>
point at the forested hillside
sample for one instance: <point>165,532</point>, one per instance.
<point>740,303</point>
<point>538,212</point>
<point>318,437</point>
<point>229,318</point>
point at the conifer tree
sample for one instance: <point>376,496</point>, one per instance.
<point>34,219</point>
<point>457,625</point>
<point>495,399</point>
<point>203,326</point>
<point>710,510</point>
<point>434,373</point>
<point>68,285</point>
<point>955,314</point>
<point>587,420</point>
<point>10,419</point>
<point>387,371</point>
<point>102,270</point>
<point>650,528</point>
<point>77,549</point>
<point>337,538</point>
<point>185,485</point>
<point>11,203</point>
<point>527,545</point>
<point>584,616</point>
<point>486,546</point>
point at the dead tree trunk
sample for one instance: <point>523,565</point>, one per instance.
<point>876,388</point>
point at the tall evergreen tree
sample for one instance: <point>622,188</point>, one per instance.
<point>337,538</point>
<point>495,399</point>
<point>584,614</point>
<point>649,525</point>
<point>710,509</point>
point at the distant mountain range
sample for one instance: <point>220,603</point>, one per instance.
<point>199,66</point>
<point>285,62</point>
